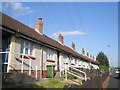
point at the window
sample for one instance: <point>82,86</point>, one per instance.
<point>72,60</point>
<point>22,47</point>
<point>76,61</point>
<point>80,63</point>
<point>50,54</point>
<point>26,47</point>
<point>31,49</point>
<point>65,59</point>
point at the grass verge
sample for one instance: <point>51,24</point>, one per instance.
<point>53,83</point>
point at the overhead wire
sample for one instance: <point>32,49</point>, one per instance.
<point>49,16</point>
<point>70,15</point>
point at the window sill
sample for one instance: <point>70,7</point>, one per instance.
<point>28,57</point>
<point>50,60</point>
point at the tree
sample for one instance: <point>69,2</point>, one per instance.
<point>102,59</point>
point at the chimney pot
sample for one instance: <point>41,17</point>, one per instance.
<point>40,18</point>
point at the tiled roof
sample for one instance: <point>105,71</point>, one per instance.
<point>15,25</point>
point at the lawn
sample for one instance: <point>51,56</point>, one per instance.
<point>53,83</point>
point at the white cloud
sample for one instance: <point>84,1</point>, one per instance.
<point>69,33</point>
<point>18,8</point>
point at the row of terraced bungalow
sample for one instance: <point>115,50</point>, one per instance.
<point>33,48</point>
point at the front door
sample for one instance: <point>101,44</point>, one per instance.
<point>5,47</point>
<point>50,71</point>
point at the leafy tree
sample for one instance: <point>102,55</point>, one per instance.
<point>102,58</point>
<point>104,67</point>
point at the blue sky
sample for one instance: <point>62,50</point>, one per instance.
<point>91,25</point>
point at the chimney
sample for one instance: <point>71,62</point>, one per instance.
<point>60,37</point>
<point>87,54</point>
<point>93,57</point>
<point>73,45</point>
<point>39,26</point>
<point>83,51</point>
<point>90,56</point>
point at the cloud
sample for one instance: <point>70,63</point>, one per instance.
<point>18,8</point>
<point>69,33</point>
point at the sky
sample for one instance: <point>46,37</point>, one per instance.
<point>90,25</point>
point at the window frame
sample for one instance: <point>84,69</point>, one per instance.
<point>50,54</point>
<point>26,47</point>
<point>72,60</point>
<point>65,59</point>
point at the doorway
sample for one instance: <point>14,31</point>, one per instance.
<point>50,71</point>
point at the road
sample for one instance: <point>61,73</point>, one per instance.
<point>114,81</point>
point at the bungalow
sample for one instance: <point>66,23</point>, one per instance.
<point>30,51</point>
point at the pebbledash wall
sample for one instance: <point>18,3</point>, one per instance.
<point>36,58</point>
<point>41,54</point>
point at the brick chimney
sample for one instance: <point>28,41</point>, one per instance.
<point>90,56</point>
<point>39,26</point>
<point>73,45</point>
<point>60,37</point>
<point>87,54</point>
<point>83,51</point>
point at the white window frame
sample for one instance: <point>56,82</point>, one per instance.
<point>72,60</point>
<point>50,54</point>
<point>65,60</point>
<point>24,47</point>
<point>80,63</point>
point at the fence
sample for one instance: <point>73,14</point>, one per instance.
<point>20,63</point>
<point>96,82</point>
<point>91,72</point>
<point>73,71</point>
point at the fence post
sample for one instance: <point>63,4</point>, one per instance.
<point>22,64</point>
<point>85,77</point>
<point>8,67</point>
<point>30,67</point>
<point>65,72</point>
<point>36,72</point>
